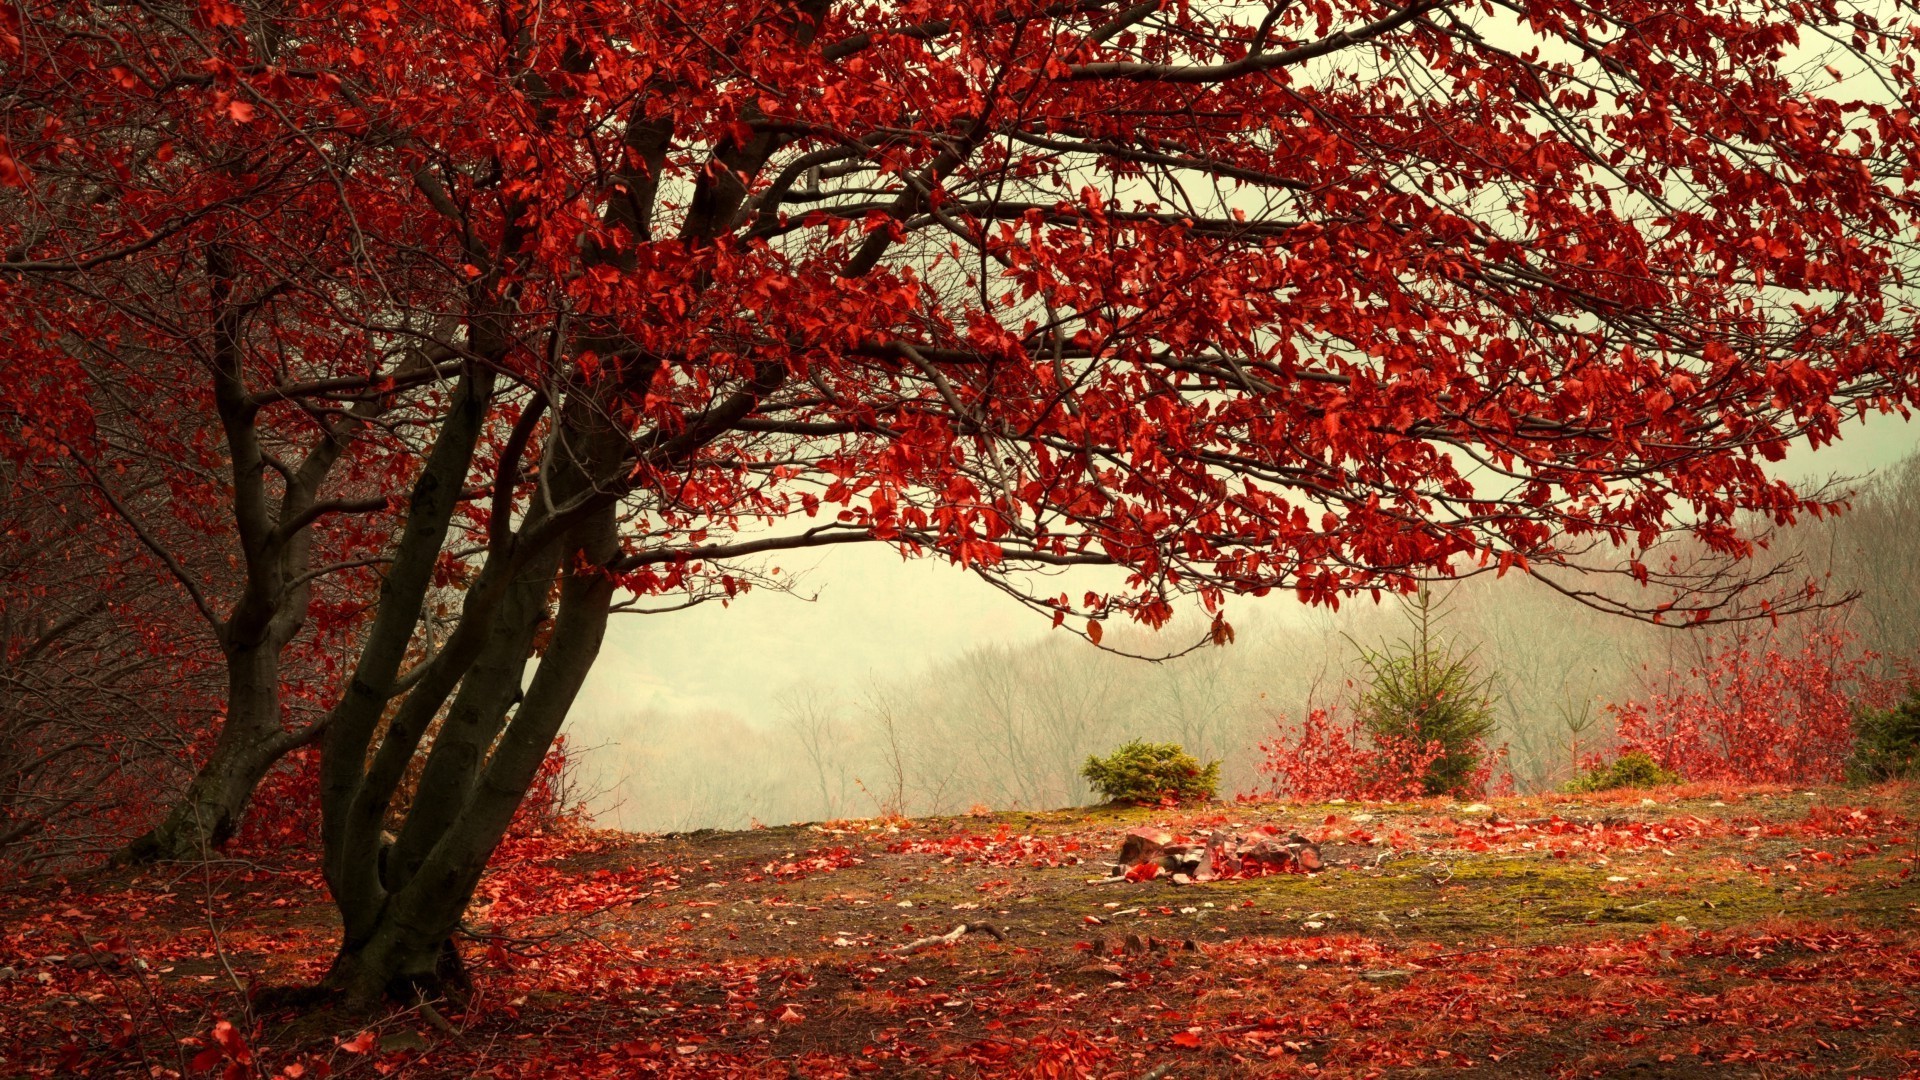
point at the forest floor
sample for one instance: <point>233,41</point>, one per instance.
<point>1683,932</point>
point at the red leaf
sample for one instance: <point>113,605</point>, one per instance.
<point>359,1044</point>
<point>230,1041</point>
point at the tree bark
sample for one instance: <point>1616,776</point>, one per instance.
<point>405,950</point>
<point>251,740</point>
<point>474,720</point>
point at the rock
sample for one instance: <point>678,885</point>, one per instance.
<point>402,1040</point>
<point>1149,853</point>
<point>1141,845</point>
<point>1184,859</point>
<point>1296,853</point>
<point>1221,858</point>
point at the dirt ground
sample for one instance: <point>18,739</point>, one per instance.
<point>1682,932</point>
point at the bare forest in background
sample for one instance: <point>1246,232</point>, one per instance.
<point>1008,725</point>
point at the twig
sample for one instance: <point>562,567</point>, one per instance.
<point>213,920</point>
<point>950,937</point>
<point>432,1016</point>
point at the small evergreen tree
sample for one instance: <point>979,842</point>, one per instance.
<point>1421,693</point>
<point>1886,741</point>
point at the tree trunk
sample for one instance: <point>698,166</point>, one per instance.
<point>399,944</point>
<point>473,721</point>
<point>250,741</point>
<point>398,966</point>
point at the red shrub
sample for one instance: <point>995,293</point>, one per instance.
<point>552,803</point>
<point>1755,711</point>
<point>1331,759</point>
<point>284,813</point>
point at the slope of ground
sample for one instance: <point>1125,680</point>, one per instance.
<point>1697,932</point>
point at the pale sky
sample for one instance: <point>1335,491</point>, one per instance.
<point>876,614</point>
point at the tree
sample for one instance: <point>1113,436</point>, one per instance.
<point>1329,297</point>
<point>224,503</point>
<point>1424,694</point>
<point>813,718</point>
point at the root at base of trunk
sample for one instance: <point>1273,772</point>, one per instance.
<point>366,985</point>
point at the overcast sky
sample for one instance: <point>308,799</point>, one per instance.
<point>876,613</point>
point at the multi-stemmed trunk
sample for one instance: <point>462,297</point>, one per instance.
<point>399,925</point>
<point>401,897</point>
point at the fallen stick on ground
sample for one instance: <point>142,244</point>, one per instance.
<point>951,936</point>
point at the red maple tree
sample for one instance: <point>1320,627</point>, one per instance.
<point>1323,297</point>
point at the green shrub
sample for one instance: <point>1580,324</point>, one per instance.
<point>1422,696</point>
<point>1633,769</point>
<point>1149,772</point>
<point>1886,742</point>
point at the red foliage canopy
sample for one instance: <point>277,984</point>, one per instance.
<point>1316,296</point>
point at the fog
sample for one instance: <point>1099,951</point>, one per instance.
<point>887,685</point>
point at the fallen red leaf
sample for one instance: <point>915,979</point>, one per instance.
<point>359,1044</point>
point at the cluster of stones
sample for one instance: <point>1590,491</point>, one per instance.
<point>1149,853</point>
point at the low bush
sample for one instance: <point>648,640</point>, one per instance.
<point>1886,742</point>
<point>1146,772</point>
<point>1332,758</point>
<point>1633,769</point>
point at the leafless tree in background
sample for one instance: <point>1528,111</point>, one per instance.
<point>1008,725</point>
